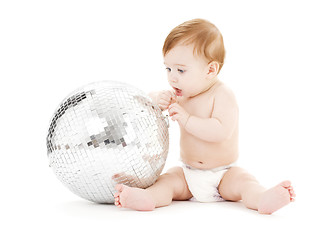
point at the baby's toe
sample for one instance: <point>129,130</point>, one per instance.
<point>289,188</point>
<point>286,184</point>
<point>117,203</point>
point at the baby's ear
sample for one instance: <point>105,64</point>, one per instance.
<point>213,69</point>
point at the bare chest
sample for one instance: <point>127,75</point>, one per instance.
<point>201,106</point>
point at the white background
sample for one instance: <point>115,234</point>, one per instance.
<point>277,63</point>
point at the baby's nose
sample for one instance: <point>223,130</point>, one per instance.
<point>173,78</point>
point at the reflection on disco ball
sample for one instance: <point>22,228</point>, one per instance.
<point>107,133</point>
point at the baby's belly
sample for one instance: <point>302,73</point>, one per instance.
<point>206,155</point>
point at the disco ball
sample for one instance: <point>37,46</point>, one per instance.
<point>107,133</point>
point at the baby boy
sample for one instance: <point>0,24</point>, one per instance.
<point>207,113</point>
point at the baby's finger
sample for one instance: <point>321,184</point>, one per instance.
<point>163,102</point>
<point>173,95</point>
<point>170,96</point>
<point>175,117</point>
<point>163,107</point>
<point>166,94</point>
<point>172,111</point>
<point>165,99</point>
<point>174,105</point>
<point>173,99</point>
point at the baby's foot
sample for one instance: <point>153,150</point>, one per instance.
<point>276,198</point>
<point>134,198</point>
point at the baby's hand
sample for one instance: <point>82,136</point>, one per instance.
<point>165,98</point>
<point>177,113</point>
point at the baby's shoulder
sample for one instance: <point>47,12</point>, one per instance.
<point>224,99</point>
<point>223,91</point>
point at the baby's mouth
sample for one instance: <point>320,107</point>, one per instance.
<point>178,91</point>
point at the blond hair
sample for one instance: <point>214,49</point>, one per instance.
<point>207,40</point>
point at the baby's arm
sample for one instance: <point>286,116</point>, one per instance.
<point>218,127</point>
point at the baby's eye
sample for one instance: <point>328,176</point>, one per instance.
<point>180,70</point>
<point>168,69</point>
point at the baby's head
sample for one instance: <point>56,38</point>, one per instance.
<point>206,39</point>
<point>193,55</point>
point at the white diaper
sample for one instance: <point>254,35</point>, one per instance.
<point>203,184</point>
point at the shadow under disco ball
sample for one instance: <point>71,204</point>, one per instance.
<point>107,133</point>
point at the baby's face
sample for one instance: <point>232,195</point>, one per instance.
<point>187,73</point>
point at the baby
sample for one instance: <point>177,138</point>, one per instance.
<point>207,113</point>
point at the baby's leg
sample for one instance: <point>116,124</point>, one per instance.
<point>169,186</point>
<point>237,185</point>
